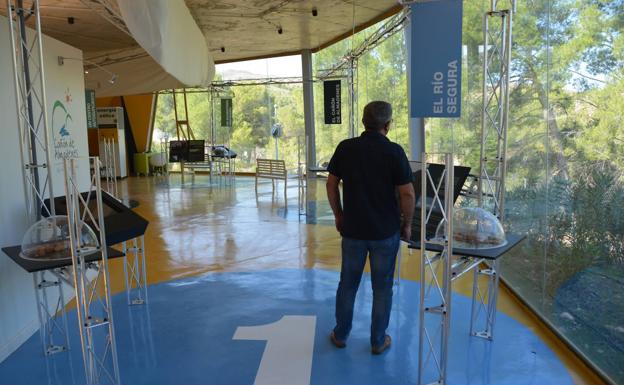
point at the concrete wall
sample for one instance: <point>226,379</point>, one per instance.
<point>65,84</point>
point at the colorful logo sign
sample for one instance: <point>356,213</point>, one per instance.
<point>64,145</point>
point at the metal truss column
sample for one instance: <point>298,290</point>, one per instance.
<point>352,79</point>
<point>436,276</point>
<point>93,296</point>
<point>497,48</point>
<point>109,166</point>
<point>52,323</point>
<point>135,271</point>
<point>34,147</point>
<point>497,31</point>
<point>30,100</point>
<point>483,309</point>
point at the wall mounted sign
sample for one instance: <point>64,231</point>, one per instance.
<point>332,101</point>
<point>107,117</point>
<point>436,59</point>
<point>91,111</point>
<point>226,112</point>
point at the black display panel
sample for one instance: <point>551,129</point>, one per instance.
<point>436,171</point>
<point>121,223</point>
<point>178,151</point>
<point>196,151</point>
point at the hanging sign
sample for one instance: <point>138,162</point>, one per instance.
<point>331,92</point>
<point>91,111</point>
<point>226,112</point>
<point>436,51</point>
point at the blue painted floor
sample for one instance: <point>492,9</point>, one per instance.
<point>185,337</point>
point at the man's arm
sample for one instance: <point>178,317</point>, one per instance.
<point>333,195</point>
<point>407,200</point>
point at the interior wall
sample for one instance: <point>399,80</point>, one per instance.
<point>65,85</point>
<point>108,101</point>
<point>138,109</point>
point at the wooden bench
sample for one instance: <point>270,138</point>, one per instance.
<point>205,166</point>
<point>271,169</point>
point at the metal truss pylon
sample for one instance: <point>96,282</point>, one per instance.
<point>352,80</point>
<point>497,49</point>
<point>34,147</point>
<point>93,295</point>
<point>483,309</point>
<point>52,321</point>
<point>135,271</point>
<point>497,30</point>
<point>109,166</point>
<point>435,281</point>
<point>29,81</point>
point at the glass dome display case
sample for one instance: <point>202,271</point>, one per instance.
<point>475,228</point>
<point>48,239</point>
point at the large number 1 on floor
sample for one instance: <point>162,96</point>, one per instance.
<point>287,357</point>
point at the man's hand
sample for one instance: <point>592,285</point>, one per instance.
<point>339,220</point>
<point>407,199</point>
<point>406,231</point>
<point>333,196</point>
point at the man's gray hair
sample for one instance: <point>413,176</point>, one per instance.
<point>376,115</point>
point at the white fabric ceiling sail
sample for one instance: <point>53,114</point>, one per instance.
<point>140,75</point>
<point>168,32</point>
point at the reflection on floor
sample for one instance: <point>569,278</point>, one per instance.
<point>216,327</point>
<point>265,262</point>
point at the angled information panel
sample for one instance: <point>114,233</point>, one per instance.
<point>122,223</point>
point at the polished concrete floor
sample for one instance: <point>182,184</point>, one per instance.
<point>223,261</point>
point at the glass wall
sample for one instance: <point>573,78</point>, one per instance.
<point>565,185</point>
<point>256,109</point>
<point>380,75</point>
<point>572,269</point>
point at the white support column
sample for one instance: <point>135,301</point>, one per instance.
<point>308,109</point>
<point>416,126</point>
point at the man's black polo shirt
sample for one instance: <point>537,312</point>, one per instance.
<point>370,167</point>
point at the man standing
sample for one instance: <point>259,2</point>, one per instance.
<point>372,220</point>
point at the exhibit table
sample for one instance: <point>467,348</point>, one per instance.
<point>60,271</point>
<point>482,262</point>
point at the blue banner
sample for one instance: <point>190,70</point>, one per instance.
<point>436,54</point>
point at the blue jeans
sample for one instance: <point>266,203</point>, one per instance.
<point>382,262</point>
